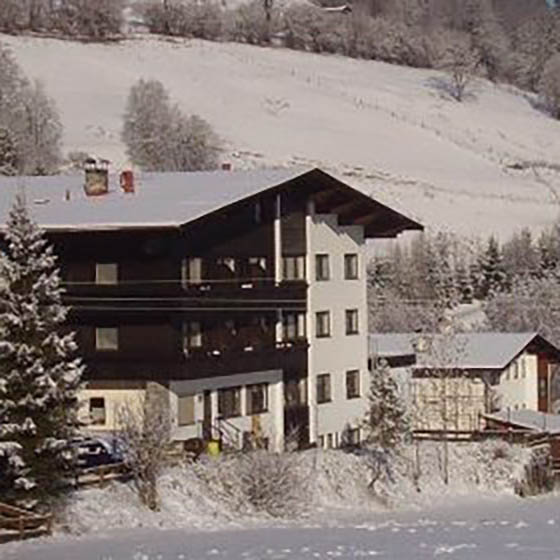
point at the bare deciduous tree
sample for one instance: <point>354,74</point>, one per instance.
<point>549,87</point>
<point>144,432</point>
<point>455,55</point>
<point>159,137</point>
<point>30,120</point>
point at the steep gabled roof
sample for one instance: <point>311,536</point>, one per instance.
<point>175,199</point>
<point>488,350</point>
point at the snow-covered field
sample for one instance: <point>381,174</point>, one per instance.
<point>339,516</point>
<point>386,129</point>
<point>504,529</point>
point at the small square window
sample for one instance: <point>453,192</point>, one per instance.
<point>323,324</point>
<point>229,402</point>
<point>323,388</point>
<point>351,266</point>
<point>293,268</point>
<point>191,271</point>
<point>185,410</point>
<point>352,321</point>
<point>257,398</point>
<point>106,273</point>
<point>192,335</point>
<point>322,271</point>
<point>106,338</point>
<point>352,384</point>
<point>293,326</point>
<point>97,411</point>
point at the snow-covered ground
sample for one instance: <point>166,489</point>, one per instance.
<point>386,129</point>
<point>504,529</point>
<point>339,515</point>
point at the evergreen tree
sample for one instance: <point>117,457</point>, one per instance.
<point>8,156</point>
<point>493,278</point>
<point>39,378</point>
<point>386,423</point>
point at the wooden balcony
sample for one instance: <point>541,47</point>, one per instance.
<point>175,296</point>
<point>200,363</point>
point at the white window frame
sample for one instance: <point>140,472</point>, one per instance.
<point>107,274</point>
<point>103,336</point>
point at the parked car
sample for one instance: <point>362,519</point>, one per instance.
<point>94,452</point>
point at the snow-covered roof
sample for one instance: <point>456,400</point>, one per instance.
<point>161,199</point>
<point>164,199</point>
<point>487,350</point>
<point>530,419</point>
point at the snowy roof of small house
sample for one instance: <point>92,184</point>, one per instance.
<point>173,199</point>
<point>529,419</point>
<point>487,350</point>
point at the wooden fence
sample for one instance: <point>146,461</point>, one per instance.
<point>16,523</point>
<point>101,475</point>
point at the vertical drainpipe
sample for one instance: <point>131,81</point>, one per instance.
<point>311,397</point>
<point>278,258</point>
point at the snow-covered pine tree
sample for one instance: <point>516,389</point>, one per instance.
<point>386,423</point>
<point>39,376</point>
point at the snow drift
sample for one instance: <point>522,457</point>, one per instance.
<point>206,496</point>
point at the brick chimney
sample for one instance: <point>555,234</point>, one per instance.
<point>97,177</point>
<point>127,181</point>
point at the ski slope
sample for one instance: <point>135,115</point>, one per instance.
<point>388,130</point>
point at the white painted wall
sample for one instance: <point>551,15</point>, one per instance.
<point>116,397</point>
<point>339,352</point>
<point>271,422</point>
<point>518,386</point>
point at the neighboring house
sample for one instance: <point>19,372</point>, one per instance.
<point>453,380</point>
<point>242,294</point>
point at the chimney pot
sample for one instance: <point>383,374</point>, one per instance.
<point>127,181</point>
<point>97,177</point>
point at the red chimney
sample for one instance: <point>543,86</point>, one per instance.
<point>127,181</point>
<point>226,166</point>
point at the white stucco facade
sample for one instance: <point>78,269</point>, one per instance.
<point>518,385</point>
<point>268,424</point>
<point>339,352</point>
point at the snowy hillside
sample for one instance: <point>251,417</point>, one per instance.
<point>386,129</point>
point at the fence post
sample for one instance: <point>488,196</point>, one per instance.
<point>21,524</point>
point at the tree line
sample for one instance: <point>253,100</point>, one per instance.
<point>517,281</point>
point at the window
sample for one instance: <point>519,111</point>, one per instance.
<point>293,268</point>
<point>106,338</point>
<point>323,324</point>
<point>185,410</point>
<point>523,367</point>
<point>229,402</point>
<point>351,436</point>
<point>226,262</point>
<point>106,273</point>
<point>351,321</point>
<point>192,335</point>
<point>321,442</point>
<point>293,326</point>
<point>97,411</point>
<point>542,387</point>
<point>352,384</point>
<point>258,263</point>
<point>323,388</point>
<point>192,270</point>
<point>516,370</point>
<point>295,392</point>
<point>322,271</point>
<point>351,266</point>
<point>257,398</point>
<point>330,441</point>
